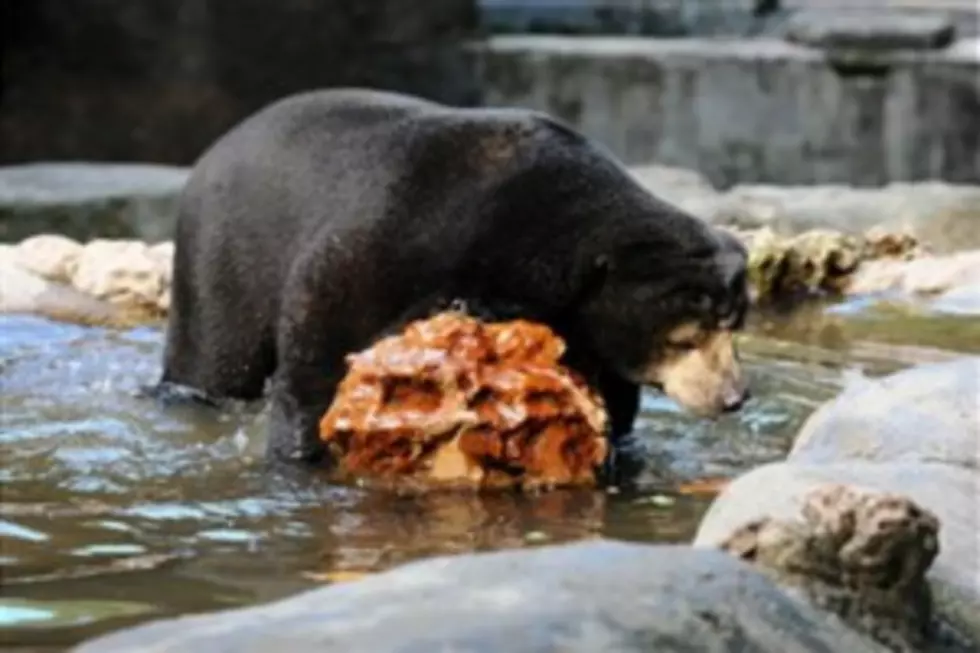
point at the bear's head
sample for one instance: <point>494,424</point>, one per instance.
<point>663,308</point>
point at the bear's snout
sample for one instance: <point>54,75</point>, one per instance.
<point>704,376</point>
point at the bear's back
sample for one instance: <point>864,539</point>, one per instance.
<point>343,155</point>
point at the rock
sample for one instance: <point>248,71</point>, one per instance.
<point>822,261</point>
<point>50,256</point>
<point>954,225</point>
<point>787,266</point>
<point>163,254</point>
<point>123,272</point>
<point>927,275</point>
<point>22,291</point>
<point>163,302</point>
<point>860,554</point>
<point>882,243</point>
<point>106,283</point>
<point>915,433</point>
<point>870,30</point>
<point>950,492</point>
<point>809,263</point>
<point>929,413</point>
<point>593,596</point>
<point>89,200</point>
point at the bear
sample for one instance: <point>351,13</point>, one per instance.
<point>333,217</point>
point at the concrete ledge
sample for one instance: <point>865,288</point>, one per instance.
<point>869,30</point>
<point>754,110</point>
<point>139,202</point>
<point>82,200</point>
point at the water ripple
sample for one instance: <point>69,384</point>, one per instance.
<point>114,507</point>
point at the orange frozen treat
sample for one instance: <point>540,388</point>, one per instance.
<point>458,402</point>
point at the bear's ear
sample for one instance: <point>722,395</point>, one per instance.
<point>732,265</point>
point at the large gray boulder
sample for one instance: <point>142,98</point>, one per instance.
<point>925,414</point>
<point>916,434</point>
<point>89,200</point>
<point>586,597</point>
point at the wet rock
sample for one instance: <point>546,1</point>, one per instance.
<point>950,492</point>
<point>123,272</point>
<point>814,262</point>
<point>926,275</point>
<point>89,200</point>
<point>163,254</point>
<point>453,401</point>
<point>820,261</point>
<point>22,291</point>
<point>929,413</point>
<point>906,238</point>
<point>836,263</point>
<point>103,282</point>
<point>954,226</point>
<point>860,554</point>
<point>586,597</point>
<point>915,433</point>
<point>881,243</point>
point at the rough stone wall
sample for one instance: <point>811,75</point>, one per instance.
<point>753,110</point>
<point>158,80</point>
<point>691,17</point>
<point>648,17</point>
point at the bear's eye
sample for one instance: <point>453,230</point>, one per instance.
<point>686,344</point>
<point>685,337</point>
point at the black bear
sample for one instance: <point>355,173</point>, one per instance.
<point>333,217</point>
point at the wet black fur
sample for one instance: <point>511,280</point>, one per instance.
<point>332,217</point>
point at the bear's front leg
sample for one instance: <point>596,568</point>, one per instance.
<point>621,396</point>
<point>294,418</point>
<point>622,399</point>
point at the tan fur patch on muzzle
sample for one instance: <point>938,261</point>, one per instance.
<point>700,370</point>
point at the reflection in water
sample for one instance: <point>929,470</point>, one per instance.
<point>114,510</point>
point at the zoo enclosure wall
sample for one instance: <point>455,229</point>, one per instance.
<point>719,91</point>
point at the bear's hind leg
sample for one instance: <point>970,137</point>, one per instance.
<point>217,345</point>
<point>321,320</point>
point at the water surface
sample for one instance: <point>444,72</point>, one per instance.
<point>115,510</point>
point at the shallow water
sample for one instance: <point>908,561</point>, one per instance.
<point>115,511</point>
